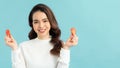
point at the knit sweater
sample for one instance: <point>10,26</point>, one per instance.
<point>35,53</point>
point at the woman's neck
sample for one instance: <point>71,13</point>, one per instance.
<point>43,38</point>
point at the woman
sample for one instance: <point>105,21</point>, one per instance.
<point>44,49</point>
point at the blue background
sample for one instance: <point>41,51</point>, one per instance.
<point>97,23</point>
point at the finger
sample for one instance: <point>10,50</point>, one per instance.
<point>7,41</point>
<point>73,37</point>
<point>7,38</point>
<point>73,31</point>
<point>12,37</point>
<point>75,40</point>
<point>8,32</point>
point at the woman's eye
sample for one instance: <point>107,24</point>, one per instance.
<point>35,22</point>
<point>44,21</point>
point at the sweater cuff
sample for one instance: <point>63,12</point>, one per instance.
<point>14,52</point>
<point>65,51</point>
<point>15,55</point>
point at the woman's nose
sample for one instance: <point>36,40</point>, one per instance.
<point>41,24</point>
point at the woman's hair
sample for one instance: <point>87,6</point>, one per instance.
<point>55,32</point>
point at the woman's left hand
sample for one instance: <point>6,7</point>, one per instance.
<point>72,41</point>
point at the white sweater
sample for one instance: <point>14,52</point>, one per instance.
<point>36,54</point>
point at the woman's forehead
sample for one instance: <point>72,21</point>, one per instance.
<point>39,15</point>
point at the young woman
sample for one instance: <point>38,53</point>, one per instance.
<point>44,49</point>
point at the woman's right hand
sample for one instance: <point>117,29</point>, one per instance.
<point>11,42</point>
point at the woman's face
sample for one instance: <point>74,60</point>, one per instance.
<point>41,25</point>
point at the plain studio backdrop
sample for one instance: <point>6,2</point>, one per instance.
<point>97,23</point>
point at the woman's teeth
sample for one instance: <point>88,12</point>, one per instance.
<point>42,30</point>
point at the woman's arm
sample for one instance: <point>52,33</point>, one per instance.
<point>17,57</point>
<point>64,59</point>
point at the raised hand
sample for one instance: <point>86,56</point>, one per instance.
<point>72,40</point>
<point>9,40</point>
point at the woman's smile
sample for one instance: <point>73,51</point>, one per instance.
<point>41,30</point>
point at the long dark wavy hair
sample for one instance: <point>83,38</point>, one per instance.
<point>55,32</point>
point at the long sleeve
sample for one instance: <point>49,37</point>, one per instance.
<point>36,54</point>
<point>64,59</point>
<point>17,59</point>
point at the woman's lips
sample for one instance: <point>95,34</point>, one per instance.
<point>41,30</point>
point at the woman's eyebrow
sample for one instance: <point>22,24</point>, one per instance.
<point>45,19</point>
<point>35,20</point>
